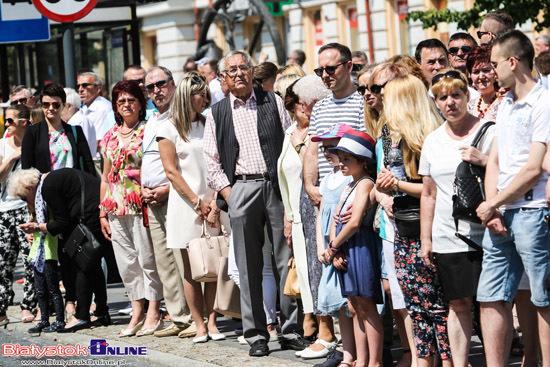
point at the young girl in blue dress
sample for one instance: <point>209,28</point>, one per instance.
<point>353,248</point>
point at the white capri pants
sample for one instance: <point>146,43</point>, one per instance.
<point>135,258</point>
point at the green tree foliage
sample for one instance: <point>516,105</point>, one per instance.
<point>520,10</point>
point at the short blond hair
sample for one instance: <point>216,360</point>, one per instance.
<point>450,84</point>
<point>22,181</point>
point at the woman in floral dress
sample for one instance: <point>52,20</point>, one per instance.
<point>122,213</point>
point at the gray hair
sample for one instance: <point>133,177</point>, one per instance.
<point>20,88</point>
<point>311,88</point>
<point>96,76</point>
<point>544,38</point>
<point>21,181</point>
<point>72,97</point>
<point>166,72</point>
<point>221,63</point>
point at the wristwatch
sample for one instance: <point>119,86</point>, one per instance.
<point>299,147</point>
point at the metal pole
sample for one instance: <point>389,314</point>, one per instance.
<point>134,30</point>
<point>68,54</point>
<point>4,71</point>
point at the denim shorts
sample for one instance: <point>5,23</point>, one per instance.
<point>504,259</point>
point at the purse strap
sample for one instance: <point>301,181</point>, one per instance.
<point>206,234</point>
<point>481,132</point>
<point>350,191</point>
<point>82,191</point>
<point>468,241</point>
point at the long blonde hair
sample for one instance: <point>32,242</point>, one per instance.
<point>371,115</point>
<point>181,109</point>
<point>410,115</point>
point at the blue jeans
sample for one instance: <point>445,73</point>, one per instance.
<point>526,247</point>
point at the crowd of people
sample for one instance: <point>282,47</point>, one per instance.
<point>352,171</point>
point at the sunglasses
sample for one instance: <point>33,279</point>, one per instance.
<point>465,49</point>
<point>195,80</point>
<point>19,101</point>
<point>362,89</point>
<point>481,34</point>
<point>325,148</point>
<point>84,85</point>
<point>357,67</point>
<point>122,102</point>
<point>9,120</point>
<point>139,81</point>
<point>160,84</point>
<point>376,88</point>
<point>452,74</point>
<point>329,69</point>
<point>55,105</point>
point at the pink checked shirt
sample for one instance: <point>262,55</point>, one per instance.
<point>250,160</point>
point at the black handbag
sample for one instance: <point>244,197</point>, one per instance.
<point>469,191</point>
<point>82,246</point>
<point>406,215</point>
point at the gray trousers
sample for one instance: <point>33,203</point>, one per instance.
<point>253,204</point>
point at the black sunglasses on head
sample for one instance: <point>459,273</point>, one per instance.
<point>452,74</point>
<point>465,49</point>
<point>329,69</point>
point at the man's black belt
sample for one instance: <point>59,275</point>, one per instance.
<point>259,176</point>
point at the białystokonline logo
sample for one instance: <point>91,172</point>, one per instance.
<point>98,347</point>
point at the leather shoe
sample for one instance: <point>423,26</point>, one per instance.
<point>83,324</point>
<point>333,360</point>
<point>104,320</point>
<point>38,327</point>
<point>298,343</point>
<point>259,349</point>
<point>171,330</point>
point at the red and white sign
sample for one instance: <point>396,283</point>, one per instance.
<point>64,10</point>
<point>352,17</point>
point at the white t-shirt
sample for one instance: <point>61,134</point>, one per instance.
<point>520,124</point>
<point>334,180</point>
<point>8,202</point>
<point>97,113</point>
<point>152,170</point>
<point>79,119</point>
<point>439,159</point>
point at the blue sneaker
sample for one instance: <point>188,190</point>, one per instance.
<point>333,359</point>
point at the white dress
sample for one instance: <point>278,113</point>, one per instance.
<point>183,223</point>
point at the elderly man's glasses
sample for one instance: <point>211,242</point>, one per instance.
<point>85,85</point>
<point>160,84</point>
<point>465,49</point>
<point>232,71</point>
<point>19,101</point>
<point>47,105</point>
<point>329,69</point>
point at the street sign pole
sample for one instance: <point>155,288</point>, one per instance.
<point>68,54</point>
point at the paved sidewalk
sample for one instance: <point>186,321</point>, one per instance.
<point>172,351</point>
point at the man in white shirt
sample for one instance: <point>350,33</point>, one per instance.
<point>515,208</point>
<point>155,188</point>
<point>94,107</point>
<point>210,70</point>
<point>73,117</point>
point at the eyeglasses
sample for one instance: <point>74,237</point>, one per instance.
<point>494,64</point>
<point>18,101</point>
<point>357,67</point>
<point>329,69</point>
<point>9,120</point>
<point>325,148</point>
<point>452,74</point>
<point>465,49</point>
<point>160,84</point>
<point>232,71</point>
<point>481,34</point>
<point>376,88</point>
<point>55,105</point>
<point>84,85</point>
<point>122,102</point>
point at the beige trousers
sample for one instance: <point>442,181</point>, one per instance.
<point>135,257</point>
<point>172,283</point>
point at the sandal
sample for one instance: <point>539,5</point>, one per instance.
<point>517,347</point>
<point>346,364</point>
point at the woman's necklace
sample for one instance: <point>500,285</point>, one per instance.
<point>481,114</point>
<point>129,132</point>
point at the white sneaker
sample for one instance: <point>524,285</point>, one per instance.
<point>126,310</point>
<point>242,340</point>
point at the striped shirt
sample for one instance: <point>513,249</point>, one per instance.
<point>250,160</point>
<point>328,111</point>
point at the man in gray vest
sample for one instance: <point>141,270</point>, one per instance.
<point>243,139</point>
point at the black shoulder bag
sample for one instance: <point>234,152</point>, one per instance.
<point>82,246</point>
<point>469,191</point>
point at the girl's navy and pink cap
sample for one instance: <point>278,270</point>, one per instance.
<point>357,143</point>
